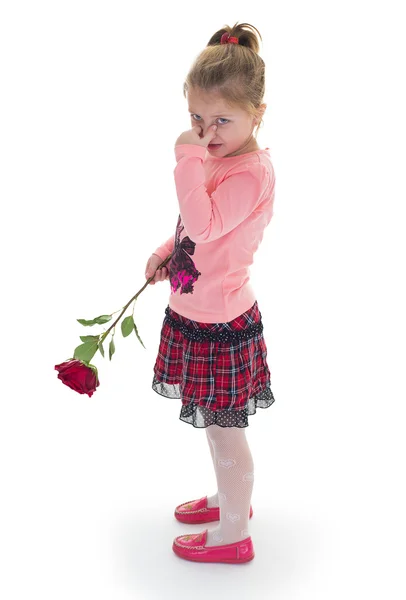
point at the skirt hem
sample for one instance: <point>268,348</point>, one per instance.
<point>201,417</point>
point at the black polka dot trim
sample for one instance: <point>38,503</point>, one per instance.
<point>225,335</point>
<point>200,416</point>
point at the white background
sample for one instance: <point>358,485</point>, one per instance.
<point>91,105</point>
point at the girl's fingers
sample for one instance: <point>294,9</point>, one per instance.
<point>160,275</point>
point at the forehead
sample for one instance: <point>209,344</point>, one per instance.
<point>212,103</point>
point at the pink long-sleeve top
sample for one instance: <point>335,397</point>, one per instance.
<point>225,203</point>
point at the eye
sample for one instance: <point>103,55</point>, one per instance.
<point>222,118</point>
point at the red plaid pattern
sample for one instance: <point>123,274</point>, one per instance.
<point>214,375</point>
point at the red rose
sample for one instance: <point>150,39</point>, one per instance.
<point>78,376</point>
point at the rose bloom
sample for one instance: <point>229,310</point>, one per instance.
<point>78,376</point>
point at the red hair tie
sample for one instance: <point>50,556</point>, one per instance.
<point>227,39</point>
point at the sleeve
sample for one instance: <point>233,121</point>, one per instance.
<point>207,218</point>
<point>166,248</point>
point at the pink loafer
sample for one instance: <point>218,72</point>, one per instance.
<point>192,547</point>
<point>196,511</point>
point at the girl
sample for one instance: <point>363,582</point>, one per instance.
<point>212,352</point>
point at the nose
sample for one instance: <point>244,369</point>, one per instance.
<point>204,130</point>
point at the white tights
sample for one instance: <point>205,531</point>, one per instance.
<point>234,469</point>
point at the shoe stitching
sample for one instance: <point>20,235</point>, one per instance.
<point>206,547</point>
<point>191,512</point>
<point>190,547</point>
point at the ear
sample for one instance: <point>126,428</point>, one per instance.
<point>262,109</point>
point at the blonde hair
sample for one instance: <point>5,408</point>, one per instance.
<point>236,72</point>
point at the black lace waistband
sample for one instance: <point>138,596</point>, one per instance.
<point>223,335</point>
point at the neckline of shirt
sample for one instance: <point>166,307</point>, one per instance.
<point>260,150</point>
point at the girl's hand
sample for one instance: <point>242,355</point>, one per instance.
<point>152,267</point>
<point>192,136</point>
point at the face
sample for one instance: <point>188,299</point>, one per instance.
<point>235,126</point>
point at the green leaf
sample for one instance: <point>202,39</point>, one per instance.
<point>88,338</point>
<point>100,347</point>
<point>127,326</point>
<point>86,351</point>
<point>136,333</point>
<point>97,321</point>
<point>112,348</point>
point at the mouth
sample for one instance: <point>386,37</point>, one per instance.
<point>214,146</point>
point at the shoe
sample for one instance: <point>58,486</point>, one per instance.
<point>196,511</point>
<point>192,547</point>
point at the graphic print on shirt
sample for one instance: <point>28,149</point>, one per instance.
<point>182,270</point>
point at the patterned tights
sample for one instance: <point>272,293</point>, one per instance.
<point>234,469</point>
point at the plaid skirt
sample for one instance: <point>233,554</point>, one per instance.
<point>219,370</point>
